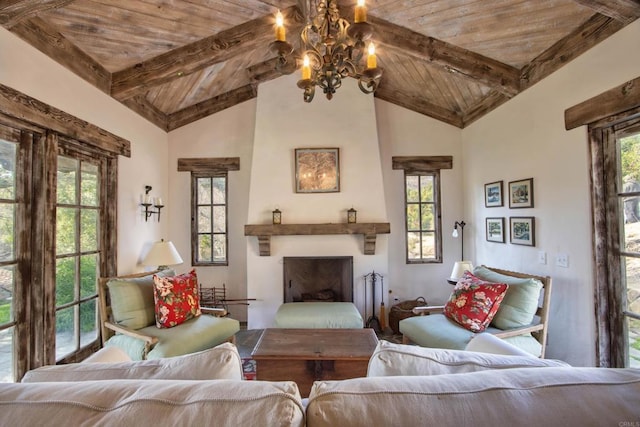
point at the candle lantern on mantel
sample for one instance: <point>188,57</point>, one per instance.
<point>277,216</point>
<point>352,216</point>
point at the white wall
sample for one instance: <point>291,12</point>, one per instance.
<point>33,73</point>
<point>526,138</point>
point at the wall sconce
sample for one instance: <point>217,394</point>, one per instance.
<point>277,216</point>
<point>148,201</point>
<point>455,235</point>
<point>352,216</point>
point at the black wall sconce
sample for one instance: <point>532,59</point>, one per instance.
<point>148,201</point>
<point>455,235</point>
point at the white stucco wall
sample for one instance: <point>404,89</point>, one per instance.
<point>33,73</point>
<point>526,138</point>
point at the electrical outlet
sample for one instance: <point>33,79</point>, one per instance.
<point>542,257</point>
<point>562,260</point>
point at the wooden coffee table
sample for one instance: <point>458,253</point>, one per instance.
<point>307,355</point>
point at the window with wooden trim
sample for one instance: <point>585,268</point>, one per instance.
<point>209,218</point>
<point>422,209</point>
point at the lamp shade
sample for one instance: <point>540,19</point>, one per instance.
<point>162,254</point>
<point>459,268</point>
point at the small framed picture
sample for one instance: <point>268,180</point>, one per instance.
<point>317,170</point>
<point>495,230</point>
<point>521,193</point>
<point>523,230</point>
<point>493,194</point>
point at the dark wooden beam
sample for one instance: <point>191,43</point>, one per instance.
<point>490,102</point>
<point>265,71</point>
<point>479,68</point>
<point>583,38</point>
<point>621,98</point>
<point>209,164</point>
<point>210,106</point>
<point>196,56</point>
<point>625,11</point>
<point>413,164</point>
<point>14,11</point>
<point>31,110</point>
<point>419,105</point>
<point>49,41</point>
<point>141,105</point>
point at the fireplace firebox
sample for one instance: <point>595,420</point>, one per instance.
<point>326,279</point>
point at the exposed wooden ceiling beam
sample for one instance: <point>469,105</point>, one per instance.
<point>196,56</point>
<point>210,106</point>
<point>142,106</point>
<point>14,11</point>
<point>487,71</point>
<point>419,105</point>
<point>52,43</point>
<point>625,11</point>
<point>265,71</point>
<point>583,38</point>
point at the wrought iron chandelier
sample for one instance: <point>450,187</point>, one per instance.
<point>333,49</point>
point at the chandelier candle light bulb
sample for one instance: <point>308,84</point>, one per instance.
<point>306,68</point>
<point>361,12</point>
<point>372,61</point>
<point>280,31</point>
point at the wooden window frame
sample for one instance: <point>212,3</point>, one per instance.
<point>195,232</point>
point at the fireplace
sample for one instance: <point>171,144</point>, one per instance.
<point>318,279</point>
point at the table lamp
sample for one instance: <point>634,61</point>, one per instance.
<point>163,254</point>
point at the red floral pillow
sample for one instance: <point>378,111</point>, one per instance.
<point>176,299</point>
<point>474,302</point>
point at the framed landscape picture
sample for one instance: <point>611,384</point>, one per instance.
<point>495,230</point>
<point>317,170</point>
<point>493,194</point>
<point>521,193</point>
<point>523,230</point>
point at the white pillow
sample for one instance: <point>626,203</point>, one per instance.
<point>218,363</point>
<point>391,359</point>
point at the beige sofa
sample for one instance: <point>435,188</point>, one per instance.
<point>453,388</point>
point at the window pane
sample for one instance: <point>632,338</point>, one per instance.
<point>7,283</point>
<point>219,248</point>
<point>204,248</point>
<point>7,170</point>
<point>219,219</point>
<point>428,245</point>
<point>630,162</point>
<point>90,193</point>
<point>204,219</point>
<point>66,184</point>
<point>633,326</point>
<point>413,217</point>
<point>65,231</point>
<point>88,275</point>
<point>6,355</point>
<point>428,215</point>
<point>426,188</point>
<point>7,231</point>
<point>88,322</point>
<point>413,245</point>
<point>65,332</point>
<point>219,190</point>
<point>412,188</point>
<point>204,191</point>
<point>65,280</point>
<point>88,230</point>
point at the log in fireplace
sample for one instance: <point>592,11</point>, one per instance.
<point>318,279</point>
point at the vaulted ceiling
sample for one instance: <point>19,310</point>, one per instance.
<point>176,61</point>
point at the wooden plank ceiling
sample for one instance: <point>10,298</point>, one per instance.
<point>176,61</point>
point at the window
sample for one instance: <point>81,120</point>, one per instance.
<point>209,219</point>
<point>423,228</point>
<point>421,213</point>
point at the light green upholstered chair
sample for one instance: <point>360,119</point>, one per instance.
<point>521,320</point>
<point>127,313</point>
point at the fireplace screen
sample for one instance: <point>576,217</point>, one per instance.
<point>326,279</point>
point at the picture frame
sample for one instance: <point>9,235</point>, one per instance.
<point>521,193</point>
<point>522,230</point>
<point>495,230</point>
<point>493,194</point>
<point>317,170</point>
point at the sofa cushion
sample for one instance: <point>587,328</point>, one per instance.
<point>474,302</point>
<point>391,359</point>
<point>218,363</point>
<point>132,301</point>
<point>176,299</point>
<point>520,303</point>
<point>520,396</point>
<point>152,403</point>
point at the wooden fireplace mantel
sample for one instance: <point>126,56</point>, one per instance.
<point>265,231</point>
